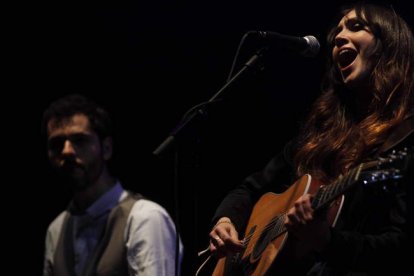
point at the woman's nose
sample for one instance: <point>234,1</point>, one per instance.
<point>341,39</point>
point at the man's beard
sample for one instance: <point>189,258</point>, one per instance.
<point>74,177</point>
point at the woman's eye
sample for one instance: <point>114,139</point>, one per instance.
<point>356,26</point>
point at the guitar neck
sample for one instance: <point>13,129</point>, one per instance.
<point>328,193</point>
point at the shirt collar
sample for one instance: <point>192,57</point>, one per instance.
<point>102,205</point>
<point>106,202</point>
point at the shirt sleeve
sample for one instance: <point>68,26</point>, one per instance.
<point>151,240</point>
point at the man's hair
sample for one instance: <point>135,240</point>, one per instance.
<point>69,105</point>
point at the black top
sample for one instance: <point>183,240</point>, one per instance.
<point>371,232</point>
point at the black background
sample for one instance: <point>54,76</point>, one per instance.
<point>148,62</point>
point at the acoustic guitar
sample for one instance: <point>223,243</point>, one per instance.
<point>268,248</point>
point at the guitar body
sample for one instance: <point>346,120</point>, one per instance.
<point>268,248</point>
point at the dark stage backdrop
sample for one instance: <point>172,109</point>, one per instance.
<point>149,62</point>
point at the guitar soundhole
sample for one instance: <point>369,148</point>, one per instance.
<point>261,244</point>
<point>235,265</point>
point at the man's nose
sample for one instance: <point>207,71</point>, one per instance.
<point>68,148</point>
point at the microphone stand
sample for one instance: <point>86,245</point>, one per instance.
<point>195,114</point>
<point>250,66</point>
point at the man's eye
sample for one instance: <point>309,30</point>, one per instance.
<point>79,140</point>
<point>55,144</point>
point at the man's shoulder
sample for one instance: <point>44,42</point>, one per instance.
<point>148,205</point>
<point>143,208</point>
<point>147,209</point>
<point>57,223</point>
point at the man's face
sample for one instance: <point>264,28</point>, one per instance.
<point>75,151</point>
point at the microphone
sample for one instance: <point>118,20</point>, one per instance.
<point>307,46</point>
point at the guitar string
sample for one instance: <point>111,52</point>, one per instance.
<point>326,193</point>
<point>269,226</point>
<point>332,190</point>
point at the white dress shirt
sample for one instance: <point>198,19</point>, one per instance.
<point>149,235</point>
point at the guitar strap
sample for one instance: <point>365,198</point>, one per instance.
<point>398,134</point>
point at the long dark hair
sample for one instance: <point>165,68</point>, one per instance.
<point>334,138</point>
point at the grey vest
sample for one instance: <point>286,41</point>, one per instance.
<point>109,258</point>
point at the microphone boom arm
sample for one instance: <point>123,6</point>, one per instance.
<point>251,65</point>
